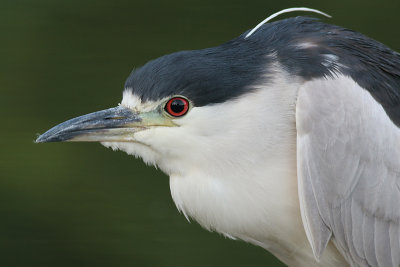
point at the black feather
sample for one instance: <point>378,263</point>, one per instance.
<point>217,74</point>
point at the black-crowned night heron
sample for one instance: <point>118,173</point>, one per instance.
<point>286,137</point>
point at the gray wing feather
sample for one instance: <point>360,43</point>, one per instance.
<point>348,172</point>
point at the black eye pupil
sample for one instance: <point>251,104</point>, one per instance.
<point>177,105</point>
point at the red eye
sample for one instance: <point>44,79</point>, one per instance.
<point>177,106</point>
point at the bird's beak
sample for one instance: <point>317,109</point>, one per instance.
<point>110,125</point>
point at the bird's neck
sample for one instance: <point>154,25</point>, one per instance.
<point>247,188</point>
<point>232,167</point>
<point>259,206</point>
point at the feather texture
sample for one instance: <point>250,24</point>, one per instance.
<point>349,161</point>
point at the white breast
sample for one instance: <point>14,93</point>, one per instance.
<point>241,177</point>
<point>232,167</point>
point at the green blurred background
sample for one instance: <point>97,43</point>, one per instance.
<point>74,204</point>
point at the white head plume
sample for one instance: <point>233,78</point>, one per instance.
<point>287,10</point>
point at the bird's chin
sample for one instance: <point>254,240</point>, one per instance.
<point>137,149</point>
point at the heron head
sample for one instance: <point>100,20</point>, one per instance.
<point>222,104</point>
<point>189,101</point>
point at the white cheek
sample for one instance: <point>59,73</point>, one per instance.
<point>167,146</point>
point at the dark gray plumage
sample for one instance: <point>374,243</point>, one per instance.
<point>214,75</point>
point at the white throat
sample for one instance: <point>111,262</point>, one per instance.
<point>232,168</point>
<point>244,185</point>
